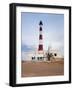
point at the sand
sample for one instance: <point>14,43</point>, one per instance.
<point>32,69</point>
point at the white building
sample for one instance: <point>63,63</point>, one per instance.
<point>37,56</point>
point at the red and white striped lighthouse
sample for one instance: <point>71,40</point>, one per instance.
<point>40,46</point>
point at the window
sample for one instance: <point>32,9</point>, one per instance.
<point>55,54</point>
<point>33,58</point>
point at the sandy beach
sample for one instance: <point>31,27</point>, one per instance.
<point>43,68</point>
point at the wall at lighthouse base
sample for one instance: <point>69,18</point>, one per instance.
<point>41,56</point>
<point>32,56</point>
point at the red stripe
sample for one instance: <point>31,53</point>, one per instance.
<point>40,28</point>
<point>40,47</point>
<point>40,37</point>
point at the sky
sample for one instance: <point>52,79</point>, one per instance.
<point>53,31</point>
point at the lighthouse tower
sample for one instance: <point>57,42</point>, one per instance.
<point>39,54</point>
<point>40,46</point>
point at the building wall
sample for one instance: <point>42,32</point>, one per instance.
<point>35,55</point>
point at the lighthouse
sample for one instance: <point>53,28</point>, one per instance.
<point>40,46</point>
<point>39,53</point>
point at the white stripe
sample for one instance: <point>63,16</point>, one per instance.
<point>40,41</point>
<point>40,32</point>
